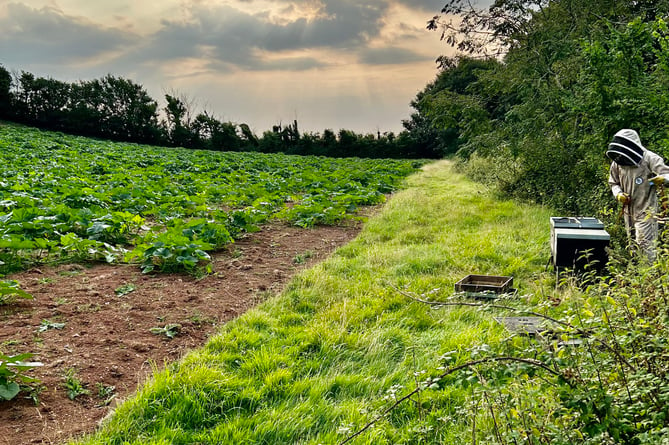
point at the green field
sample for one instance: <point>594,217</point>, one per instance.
<point>65,198</point>
<point>371,346</point>
<point>318,362</point>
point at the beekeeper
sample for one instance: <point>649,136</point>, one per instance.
<point>634,177</point>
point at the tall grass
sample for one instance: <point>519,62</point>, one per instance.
<point>340,344</point>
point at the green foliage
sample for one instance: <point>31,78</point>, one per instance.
<point>65,199</point>
<point>14,377</point>
<point>170,252</point>
<point>46,325</point>
<point>125,289</point>
<point>170,330</point>
<point>573,73</point>
<point>10,292</point>
<point>73,385</point>
<point>455,107</point>
<point>316,363</point>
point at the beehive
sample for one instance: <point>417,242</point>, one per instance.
<point>577,242</point>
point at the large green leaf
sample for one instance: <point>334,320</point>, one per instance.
<point>9,391</point>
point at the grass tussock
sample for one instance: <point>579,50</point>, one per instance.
<point>318,362</point>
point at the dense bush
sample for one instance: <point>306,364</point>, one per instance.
<point>571,74</point>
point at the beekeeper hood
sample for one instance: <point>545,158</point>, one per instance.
<point>626,148</point>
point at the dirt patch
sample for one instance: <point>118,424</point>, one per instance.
<point>107,313</point>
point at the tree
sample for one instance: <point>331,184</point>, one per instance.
<point>50,102</point>
<point>271,142</point>
<point>454,107</point>
<point>178,121</point>
<point>250,139</point>
<point>114,108</point>
<point>5,93</point>
<point>129,112</point>
<point>544,119</point>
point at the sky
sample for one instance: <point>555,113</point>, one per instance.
<point>353,64</point>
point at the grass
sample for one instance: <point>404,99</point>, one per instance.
<point>316,363</point>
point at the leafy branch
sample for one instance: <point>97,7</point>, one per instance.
<point>433,381</point>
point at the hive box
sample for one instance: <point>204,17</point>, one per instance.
<point>577,242</point>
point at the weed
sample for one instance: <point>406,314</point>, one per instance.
<point>69,273</point>
<point>45,325</point>
<point>303,257</point>
<point>73,385</point>
<point>124,289</point>
<point>170,330</point>
<point>10,343</point>
<point>105,393</point>
<point>88,307</point>
<point>198,319</point>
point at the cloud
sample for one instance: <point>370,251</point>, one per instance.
<point>330,62</point>
<point>390,56</point>
<point>224,38</point>
<point>47,35</point>
<point>431,6</point>
<point>236,39</point>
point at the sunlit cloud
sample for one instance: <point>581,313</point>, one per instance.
<point>47,35</point>
<point>333,52</point>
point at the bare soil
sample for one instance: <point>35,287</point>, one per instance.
<point>106,340</point>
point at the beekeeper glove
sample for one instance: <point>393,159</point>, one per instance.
<point>623,198</point>
<point>657,180</point>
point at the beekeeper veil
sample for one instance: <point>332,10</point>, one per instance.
<point>626,148</point>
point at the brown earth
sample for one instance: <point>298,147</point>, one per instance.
<point>106,342</point>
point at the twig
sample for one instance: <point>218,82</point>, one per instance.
<point>532,362</point>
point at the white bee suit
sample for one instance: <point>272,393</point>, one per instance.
<point>630,173</point>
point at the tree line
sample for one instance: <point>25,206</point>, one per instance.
<point>119,109</point>
<point>539,88</point>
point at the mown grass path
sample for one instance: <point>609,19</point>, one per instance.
<point>318,362</point>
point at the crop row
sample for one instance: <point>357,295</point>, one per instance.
<point>66,198</point>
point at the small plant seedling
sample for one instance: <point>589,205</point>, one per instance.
<point>73,385</point>
<point>198,319</point>
<point>46,325</point>
<point>124,289</point>
<point>302,257</point>
<point>88,307</point>
<point>170,330</point>
<point>106,393</point>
